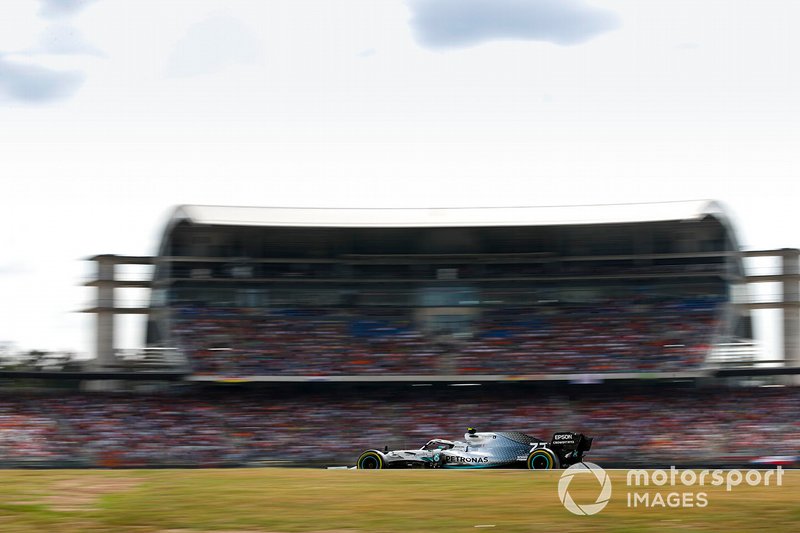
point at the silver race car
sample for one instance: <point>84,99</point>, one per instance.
<point>501,449</point>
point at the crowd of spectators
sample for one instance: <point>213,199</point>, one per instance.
<point>205,428</point>
<point>613,337</point>
<point>610,336</point>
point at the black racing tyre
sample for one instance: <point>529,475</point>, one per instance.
<point>542,459</point>
<point>371,460</point>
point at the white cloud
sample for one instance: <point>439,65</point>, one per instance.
<point>62,39</point>
<point>458,23</point>
<point>36,84</point>
<point>218,42</point>
<point>27,76</point>
<point>53,9</point>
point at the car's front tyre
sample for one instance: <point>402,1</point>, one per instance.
<point>371,460</point>
<point>542,459</point>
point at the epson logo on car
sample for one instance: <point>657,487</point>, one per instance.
<point>565,436</point>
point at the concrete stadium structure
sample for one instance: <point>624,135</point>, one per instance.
<point>439,259</point>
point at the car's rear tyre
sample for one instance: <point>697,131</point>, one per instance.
<point>371,460</point>
<point>542,459</point>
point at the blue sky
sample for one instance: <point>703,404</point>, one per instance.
<point>112,111</point>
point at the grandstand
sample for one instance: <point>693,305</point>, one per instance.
<point>275,294</point>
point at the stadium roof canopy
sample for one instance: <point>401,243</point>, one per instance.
<point>448,217</point>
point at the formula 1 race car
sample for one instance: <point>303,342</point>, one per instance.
<point>502,449</point>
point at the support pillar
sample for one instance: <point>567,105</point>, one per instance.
<point>791,313</point>
<point>104,347</point>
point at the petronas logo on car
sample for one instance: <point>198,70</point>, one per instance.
<point>457,459</point>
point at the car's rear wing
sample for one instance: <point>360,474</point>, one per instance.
<point>570,447</point>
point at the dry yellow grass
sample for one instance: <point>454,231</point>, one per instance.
<point>284,500</point>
